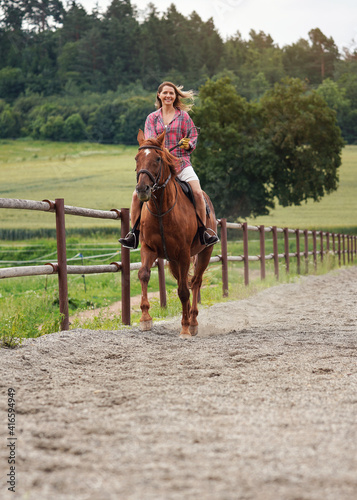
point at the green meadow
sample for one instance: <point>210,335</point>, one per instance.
<point>85,175</point>
<point>335,212</point>
<point>103,177</point>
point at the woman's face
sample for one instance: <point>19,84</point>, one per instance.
<point>167,95</point>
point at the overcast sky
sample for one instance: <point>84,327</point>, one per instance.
<point>285,20</point>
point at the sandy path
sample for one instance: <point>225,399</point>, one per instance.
<point>261,405</point>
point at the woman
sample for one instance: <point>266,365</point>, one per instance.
<point>173,118</point>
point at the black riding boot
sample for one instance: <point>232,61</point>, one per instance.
<point>131,240</point>
<point>206,238</point>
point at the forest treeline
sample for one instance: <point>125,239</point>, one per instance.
<point>66,74</point>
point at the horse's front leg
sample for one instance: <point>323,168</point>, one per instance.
<point>147,259</point>
<point>201,263</point>
<point>184,295</point>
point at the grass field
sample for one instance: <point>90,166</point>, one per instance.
<point>336,211</point>
<point>102,176</point>
<point>85,175</point>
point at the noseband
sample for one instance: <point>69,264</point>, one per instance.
<point>154,180</point>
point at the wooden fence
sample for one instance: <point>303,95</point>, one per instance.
<point>342,245</point>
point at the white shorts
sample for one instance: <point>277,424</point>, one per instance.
<point>187,175</point>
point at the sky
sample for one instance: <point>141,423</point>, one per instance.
<point>286,21</point>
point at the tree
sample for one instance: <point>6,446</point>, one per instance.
<point>313,60</point>
<point>53,128</point>
<point>9,123</point>
<point>76,22</point>
<point>335,96</point>
<point>286,147</point>
<point>120,31</point>
<point>12,14</point>
<point>324,51</point>
<point>42,14</point>
<point>306,142</point>
<point>298,61</point>
<point>74,128</point>
<point>347,84</point>
<point>11,83</point>
<point>232,158</point>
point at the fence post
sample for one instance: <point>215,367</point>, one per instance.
<point>352,242</point>
<point>245,253</point>
<point>286,249</point>
<point>344,249</point>
<point>306,250</point>
<point>339,249</point>
<point>62,262</point>
<point>224,257</point>
<point>334,244</point>
<point>322,246</point>
<point>327,242</point>
<point>262,252</point>
<point>314,249</point>
<point>162,284</point>
<point>348,248</point>
<point>297,233</point>
<point>125,269</point>
<point>275,251</point>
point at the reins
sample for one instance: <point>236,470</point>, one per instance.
<point>156,186</point>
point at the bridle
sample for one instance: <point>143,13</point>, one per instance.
<point>156,186</point>
<point>154,180</point>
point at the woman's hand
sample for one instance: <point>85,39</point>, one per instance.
<point>184,143</point>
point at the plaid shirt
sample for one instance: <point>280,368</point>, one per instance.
<point>177,129</point>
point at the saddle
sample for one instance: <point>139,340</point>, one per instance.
<point>186,188</point>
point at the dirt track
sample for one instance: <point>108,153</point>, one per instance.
<point>261,405</point>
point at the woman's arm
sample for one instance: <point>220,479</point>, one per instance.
<point>150,130</point>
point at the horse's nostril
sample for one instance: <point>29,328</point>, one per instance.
<point>143,192</point>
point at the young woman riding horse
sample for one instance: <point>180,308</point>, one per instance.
<point>172,118</point>
<point>169,229</point>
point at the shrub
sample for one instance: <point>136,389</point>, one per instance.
<point>74,128</point>
<point>11,83</point>
<point>9,124</point>
<point>53,129</point>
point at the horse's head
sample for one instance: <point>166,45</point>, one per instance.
<point>151,162</point>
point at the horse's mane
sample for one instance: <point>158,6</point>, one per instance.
<point>168,158</point>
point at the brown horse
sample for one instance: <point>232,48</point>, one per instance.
<point>169,229</point>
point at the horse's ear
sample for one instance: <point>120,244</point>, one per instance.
<point>140,137</point>
<point>161,138</point>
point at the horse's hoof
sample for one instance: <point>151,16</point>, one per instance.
<point>185,336</point>
<point>193,330</point>
<point>146,325</point>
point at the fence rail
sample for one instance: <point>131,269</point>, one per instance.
<point>342,245</point>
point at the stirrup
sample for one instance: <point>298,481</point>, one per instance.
<point>210,239</point>
<point>131,240</point>
<point>206,238</point>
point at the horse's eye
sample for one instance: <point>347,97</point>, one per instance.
<point>158,158</point>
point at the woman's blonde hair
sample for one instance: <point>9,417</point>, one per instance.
<point>180,95</point>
